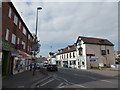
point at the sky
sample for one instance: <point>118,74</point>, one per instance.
<point>60,23</point>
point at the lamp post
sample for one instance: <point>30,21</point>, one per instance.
<point>35,40</point>
<point>39,8</point>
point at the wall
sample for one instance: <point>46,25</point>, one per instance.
<point>96,49</point>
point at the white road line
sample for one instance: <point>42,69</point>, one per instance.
<point>47,82</point>
<point>73,83</point>
<point>80,85</point>
<point>106,81</point>
<point>59,85</point>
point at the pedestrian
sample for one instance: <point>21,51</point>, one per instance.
<point>30,66</point>
<point>34,68</point>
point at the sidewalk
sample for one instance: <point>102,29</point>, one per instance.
<point>23,80</point>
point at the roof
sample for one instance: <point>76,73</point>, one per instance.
<point>98,41</point>
<point>69,48</point>
<point>118,52</point>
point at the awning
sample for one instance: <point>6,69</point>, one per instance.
<point>21,54</point>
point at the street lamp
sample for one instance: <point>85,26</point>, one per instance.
<point>39,8</point>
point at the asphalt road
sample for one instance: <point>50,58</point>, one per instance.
<point>72,78</point>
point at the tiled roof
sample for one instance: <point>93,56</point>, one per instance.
<point>70,49</point>
<point>91,40</point>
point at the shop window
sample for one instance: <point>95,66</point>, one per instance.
<point>7,35</point>
<point>74,62</point>
<point>13,39</point>
<point>103,52</point>
<point>10,13</point>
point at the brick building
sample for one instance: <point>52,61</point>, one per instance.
<point>16,40</point>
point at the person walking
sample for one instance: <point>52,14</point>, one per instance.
<point>30,66</point>
<point>34,69</point>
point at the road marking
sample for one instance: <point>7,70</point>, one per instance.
<point>106,81</point>
<point>72,83</point>
<point>59,85</point>
<point>92,78</point>
<point>47,82</point>
<point>80,85</point>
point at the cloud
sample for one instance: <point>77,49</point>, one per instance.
<point>61,23</point>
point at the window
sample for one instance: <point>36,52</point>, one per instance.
<point>29,36</point>
<point>13,39</point>
<point>10,13</point>
<point>23,44</point>
<point>67,55</point>
<point>70,55</point>
<point>15,19</point>
<point>28,48</point>
<point>73,54</point>
<point>18,40</point>
<point>24,31</point>
<point>108,51</point>
<point>7,35</point>
<point>80,51</point>
<point>19,25</point>
<point>103,52</point>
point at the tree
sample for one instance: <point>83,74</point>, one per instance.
<point>35,45</point>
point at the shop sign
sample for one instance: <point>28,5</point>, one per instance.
<point>19,46</point>
<point>14,53</point>
<point>5,45</point>
<point>35,47</point>
<point>93,59</point>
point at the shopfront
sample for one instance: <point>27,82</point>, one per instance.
<point>21,61</point>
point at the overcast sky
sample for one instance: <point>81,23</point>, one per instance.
<point>60,23</point>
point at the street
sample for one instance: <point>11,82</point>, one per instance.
<point>73,78</point>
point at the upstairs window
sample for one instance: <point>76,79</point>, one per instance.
<point>10,13</point>
<point>24,31</point>
<point>103,52</point>
<point>15,19</point>
<point>29,36</point>
<point>28,49</point>
<point>80,50</point>
<point>23,43</point>
<point>13,39</point>
<point>73,54</point>
<point>7,35</point>
<point>18,41</point>
<point>19,25</point>
<point>108,52</point>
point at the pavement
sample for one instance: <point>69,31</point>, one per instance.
<point>24,79</point>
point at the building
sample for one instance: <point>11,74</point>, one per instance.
<point>87,52</point>
<point>16,41</point>
<point>117,57</point>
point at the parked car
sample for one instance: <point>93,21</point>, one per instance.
<point>45,64</point>
<point>115,66</point>
<point>52,67</point>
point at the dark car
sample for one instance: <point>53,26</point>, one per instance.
<point>52,67</point>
